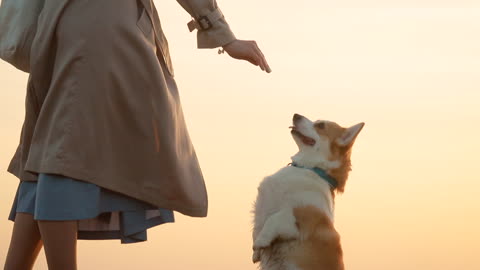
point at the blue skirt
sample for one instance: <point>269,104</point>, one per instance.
<point>101,213</point>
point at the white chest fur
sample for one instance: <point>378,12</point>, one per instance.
<point>279,194</point>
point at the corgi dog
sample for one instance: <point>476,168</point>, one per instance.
<point>293,212</point>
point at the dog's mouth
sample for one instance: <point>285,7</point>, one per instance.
<point>305,139</point>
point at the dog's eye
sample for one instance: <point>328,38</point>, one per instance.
<point>320,125</point>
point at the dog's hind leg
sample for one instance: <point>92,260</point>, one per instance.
<point>279,225</point>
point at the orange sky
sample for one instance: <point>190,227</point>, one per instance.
<point>409,69</point>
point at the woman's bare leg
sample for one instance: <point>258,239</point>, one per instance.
<point>60,243</point>
<point>25,243</point>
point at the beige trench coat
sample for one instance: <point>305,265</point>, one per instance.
<point>102,105</point>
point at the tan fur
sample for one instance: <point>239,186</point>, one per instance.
<point>319,245</point>
<point>333,131</point>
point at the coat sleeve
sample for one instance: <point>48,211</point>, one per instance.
<point>213,31</point>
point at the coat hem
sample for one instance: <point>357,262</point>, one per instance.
<point>79,175</point>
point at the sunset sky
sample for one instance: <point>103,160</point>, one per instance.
<point>409,69</point>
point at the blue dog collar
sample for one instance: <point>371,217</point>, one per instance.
<point>322,173</point>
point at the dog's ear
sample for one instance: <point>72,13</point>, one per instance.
<point>349,135</point>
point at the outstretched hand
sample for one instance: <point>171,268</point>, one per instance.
<point>249,51</point>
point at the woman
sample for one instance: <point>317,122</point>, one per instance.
<point>104,150</point>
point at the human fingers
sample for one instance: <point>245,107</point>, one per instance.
<point>253,56</point>
<point>256,55</point>
<point>263,62</point>
<point>259,60</point>
<point>262,58</point>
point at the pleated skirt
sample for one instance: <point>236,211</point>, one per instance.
<point>101,214</point>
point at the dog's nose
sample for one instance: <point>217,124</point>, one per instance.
<point>296,117</point>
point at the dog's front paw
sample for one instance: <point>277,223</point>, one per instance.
<point>261,242</point>
<point>256,255</point>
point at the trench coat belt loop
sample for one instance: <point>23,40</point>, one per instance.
<point>205,22</point>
